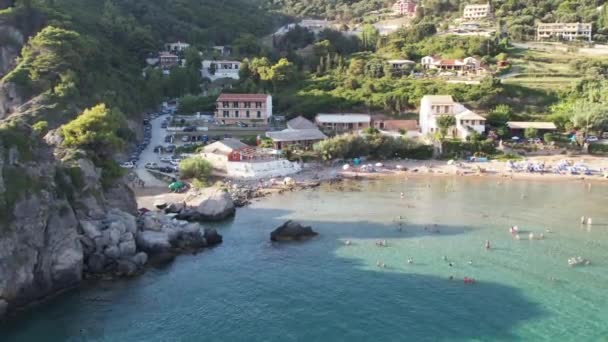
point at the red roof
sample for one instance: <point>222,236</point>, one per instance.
<point>243,97</point>
<point>395,125</point>
<point>449,62</point>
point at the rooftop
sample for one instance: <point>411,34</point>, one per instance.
<point>439,99</point>
<point>530,124</point>
<point>343,118</point>
<point>225,146</point>
<point>296,135</point>
<point>243,97</point>
<point>300,122</point>
<point>395,125</point>
<point>469,115</point>
<point>400,61</point>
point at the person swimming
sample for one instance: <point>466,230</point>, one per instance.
<point>451,265</point>
<point>402,195</point>
<point>410,261</point>
<point>488,244</point>
<point>347,242</point>
<point>470,262</point>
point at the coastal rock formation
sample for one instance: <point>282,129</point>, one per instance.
<point>163,233</point>
<point>213,204</point>
<point>291,230</point>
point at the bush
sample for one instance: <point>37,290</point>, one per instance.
<point>40,127</point>
<point>598,149</point>
<point>548,137</point>
<point>195,168</point>
<point>376,146</point>
<point>530,133</point>
<point>459,149</point>
<point>95,130</point>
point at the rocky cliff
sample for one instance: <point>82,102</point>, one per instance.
<point>56,215</point>
<point>47,205</point>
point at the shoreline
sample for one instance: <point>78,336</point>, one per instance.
<point>316,174</point>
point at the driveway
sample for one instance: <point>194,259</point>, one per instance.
<point>149,156</point>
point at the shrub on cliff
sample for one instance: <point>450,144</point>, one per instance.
<point>195,168</point>
<point>96,131</point>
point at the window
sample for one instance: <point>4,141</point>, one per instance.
<point>235,104</point>
<point>226,113</point>
<point>258,105</point>
<point>247,104</point>
<point>259,114</point>
<point>236,113</point>
<point>247,113</point>
<point>225,104</point>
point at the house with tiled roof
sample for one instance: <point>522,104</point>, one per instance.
<point>469,64</point>
<point>250,109</point>
<point>432,107</point>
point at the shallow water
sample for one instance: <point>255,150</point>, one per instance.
<point>249,289</point>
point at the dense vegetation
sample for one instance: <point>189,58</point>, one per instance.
<point>93,51</point>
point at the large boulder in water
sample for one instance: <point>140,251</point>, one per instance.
<point>291,230</point>
<point>215,205</point>
<point>212,237</point>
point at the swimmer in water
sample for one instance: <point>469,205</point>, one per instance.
<point>451,278</point>
<point>451,264</point>
<point>470,262</point>
<point>488,244</point>
<point>410,261</point>
<point>402,195</point>
<point>347,242</point>
<point>583,219</point>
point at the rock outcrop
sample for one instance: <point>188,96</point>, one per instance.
<point>290,231</point>
<point>211,205</point>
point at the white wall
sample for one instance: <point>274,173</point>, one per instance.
<point>254,170</point>
<point>269,107</point>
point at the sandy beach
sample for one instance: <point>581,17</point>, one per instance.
<point>314,174</point>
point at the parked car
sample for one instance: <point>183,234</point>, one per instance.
<point>163,125</point>
<point>170,148</point>
<point>241,124</point>
<point>127,165</point>
<point>592,138</point>
<point>186,138</point>
<point>169,139</point>
<point>189,129</point>
<point>166,160</point>
<point>151,166</point>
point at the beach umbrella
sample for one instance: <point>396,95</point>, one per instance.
<point>379,165</point>
<point>345,167</point>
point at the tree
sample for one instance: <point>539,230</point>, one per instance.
<point>530,133</point>
<point>590,115</point>
<point>445,122</point>
<point>95,130</point>
<point>195,168</point>
<point>499,116</point>
<point>282,72</point>
<point>356,67</point>
<point>369,36</point>
<point>193,59</point>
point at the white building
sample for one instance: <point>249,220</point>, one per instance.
<point>476,11</point>
<point>215,70</point>
<point>177,47</point>
<point>564,31</point>
<point>434,106</point>
<point>458,65</point>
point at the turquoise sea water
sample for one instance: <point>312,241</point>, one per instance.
<point>249,289</point>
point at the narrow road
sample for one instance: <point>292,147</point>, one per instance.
<point>149,156</point>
